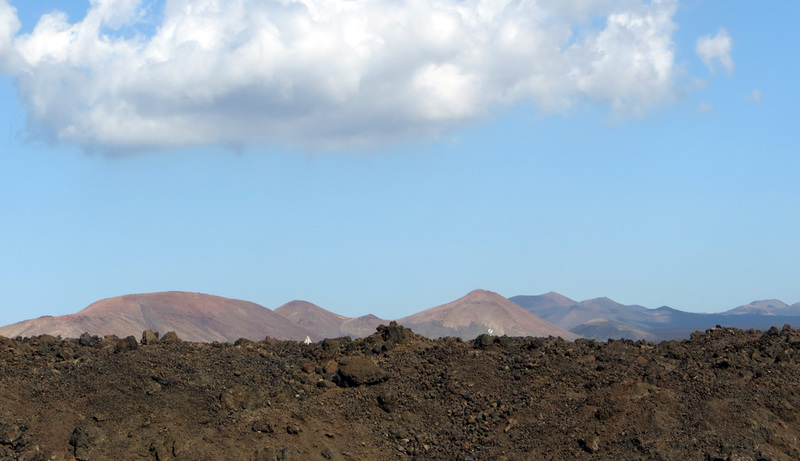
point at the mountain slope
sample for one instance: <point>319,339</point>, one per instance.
<point>603,330</point>
<point>766,307</point>
<point>476,313</point>
<point>566,313</point>
<point>548,302</point>
<point>359,327</point>
<point>327,324</point>
<point>324,323</point>
<point>193,316</point>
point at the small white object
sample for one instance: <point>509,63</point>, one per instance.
<point>491,331</point>
<point>308,340</point>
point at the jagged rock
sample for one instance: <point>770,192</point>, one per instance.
<point>162,450</point>
<point>149,337</point>
<point>483,341</point>
<point>9,432</point>
<point>262,425</point>
<point>388,401</point>
<point>108,343</point>
<point>293,429</point>
<point>170,338</point>
<point>265,454</point>
<point>128,343</point>
<point>590,444</point>
<point>243,342</point>
<point>82,439</point>
<point>88,340</point>
<point>329,344</point>
<point>392,334</point>
<point>358,371</point>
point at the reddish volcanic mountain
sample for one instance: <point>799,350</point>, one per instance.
<point>359,327</point>
<point>327,324</point>
<point>313,318</point>
<point>193,316</point>
<point>477,313</point>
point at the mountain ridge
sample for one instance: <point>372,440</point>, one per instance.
<point>479,312</point>
<point>208,318</point>
<point>193,316</point>
<point>663,323</point>
<point>326,323</point>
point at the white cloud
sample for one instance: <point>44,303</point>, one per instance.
<point>114,13</point>
<point>755,96</point>
<point>704,108</point>
<point>9,25</point>
<point>330,73</point>
<point>716,49</point>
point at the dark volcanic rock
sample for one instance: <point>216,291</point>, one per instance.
<point>149,337</point>
<point>127,344</point>
<point>88,340</point>
<point>393,334</point>
<point>358,371</point>
<point>83,439</point>
<point>262,425</point>
<point>9,433</point>
<point>724,394</point>
<point>170,337</point>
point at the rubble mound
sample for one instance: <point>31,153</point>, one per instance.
<point>724,394</point>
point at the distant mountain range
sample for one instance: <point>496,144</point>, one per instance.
<point>602,318</point>
<point>208,318</point>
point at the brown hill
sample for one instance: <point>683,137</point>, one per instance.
<point>327,324</point>
<point>193,316</point>
<point>478,312</point>
<point>359,327</point>
<point>324,323</point>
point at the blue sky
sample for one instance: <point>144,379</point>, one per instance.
<point>644,151</point>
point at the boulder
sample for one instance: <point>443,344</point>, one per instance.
<point>149,337</point>
<point>358,371</point>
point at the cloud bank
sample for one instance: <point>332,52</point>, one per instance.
<point>331,73</point>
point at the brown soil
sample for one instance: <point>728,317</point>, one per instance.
<point>723,395</point>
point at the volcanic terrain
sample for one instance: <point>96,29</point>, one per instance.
<point>725,394</point>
